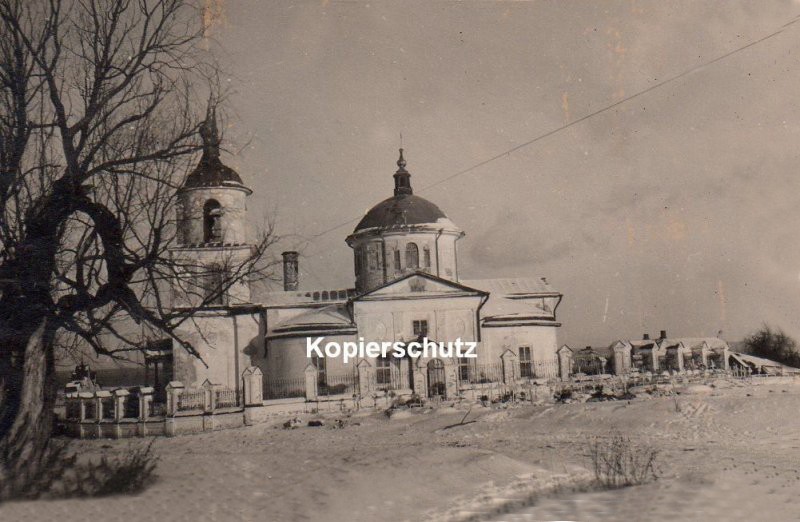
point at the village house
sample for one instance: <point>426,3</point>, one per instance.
<point>671,354</point>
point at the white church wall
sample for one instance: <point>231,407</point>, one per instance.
<point>448,318</point>
<point>541,339</point>
<point>286,357</point>
<point>226,344</point>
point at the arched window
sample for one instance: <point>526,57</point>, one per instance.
<point>212,221</point>
<point>214,281</point>
<point>426,257</point>
<point>412,256</point>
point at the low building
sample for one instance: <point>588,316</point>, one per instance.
<point>671,354</point>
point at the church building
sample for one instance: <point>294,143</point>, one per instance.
<point>406,286</point>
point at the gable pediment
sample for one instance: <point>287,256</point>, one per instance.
<point>420,285</point>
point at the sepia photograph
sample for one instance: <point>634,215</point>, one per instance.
<point>399,260</point>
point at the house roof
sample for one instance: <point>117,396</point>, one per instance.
<point>517,299</point>
<point>692,343</point>
<point>512,285</point>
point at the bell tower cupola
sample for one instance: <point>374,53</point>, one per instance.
<point>211,215</point>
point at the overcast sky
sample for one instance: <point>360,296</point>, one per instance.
<point>677,210</point>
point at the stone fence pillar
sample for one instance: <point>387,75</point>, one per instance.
<point>420,369</point>
<point>564,362</point>
<point>210,396</point>
<point>174,390</point>
<point>88,409</point>
<point>104,405</point>
<point>120,399</point>
<point>510,368</point>
<point>253,386</point>
<point>366,376</point>
<point>621,357</point>
<point>145,402</point>
<point>311,382</point>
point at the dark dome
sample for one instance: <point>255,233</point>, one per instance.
<point>399,210</point>
<point>210,172</point>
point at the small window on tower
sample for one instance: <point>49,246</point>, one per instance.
<point>214,281</point>
<point>212,221</point>
<point>397,267</point>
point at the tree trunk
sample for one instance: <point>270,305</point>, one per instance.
<point>23,448</point>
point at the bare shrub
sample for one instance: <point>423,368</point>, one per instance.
<point>619,463</point>
<point>62,475</point>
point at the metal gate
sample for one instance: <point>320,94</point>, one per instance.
<point>436,379</point>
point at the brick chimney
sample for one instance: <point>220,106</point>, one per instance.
<point>290,273</point>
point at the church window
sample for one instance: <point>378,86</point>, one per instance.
<point>397,266</point>
<point>383,370</point>
<point>420,328</point>
<point>212,221</point>
<point>412,255</point>
<point>525,363</point>
<point>426,257</point>
<point>214,281</point>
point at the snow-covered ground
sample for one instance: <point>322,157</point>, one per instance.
<point>730,451</point>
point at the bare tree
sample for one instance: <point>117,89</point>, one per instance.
<point>97,131</point>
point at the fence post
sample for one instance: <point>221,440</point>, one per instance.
<point>509,359</point>
<point>145,400</point>
<point>209,401</point>
<point>100,395</point>
<point>83,398</point>
<point>120,397</point>
<point>173,389</point>
<point>311,382</point>
<point>365,373</point>
<point>564,362</point>
<point>253,386</point>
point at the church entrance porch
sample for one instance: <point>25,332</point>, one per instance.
<point>436,379</point>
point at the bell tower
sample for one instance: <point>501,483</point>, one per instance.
<point>211,228</point>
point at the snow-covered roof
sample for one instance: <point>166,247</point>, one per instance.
<point>517,299</point>
<point>511,285</point>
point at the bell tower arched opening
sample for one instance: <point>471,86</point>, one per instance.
<point>212,222</point>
